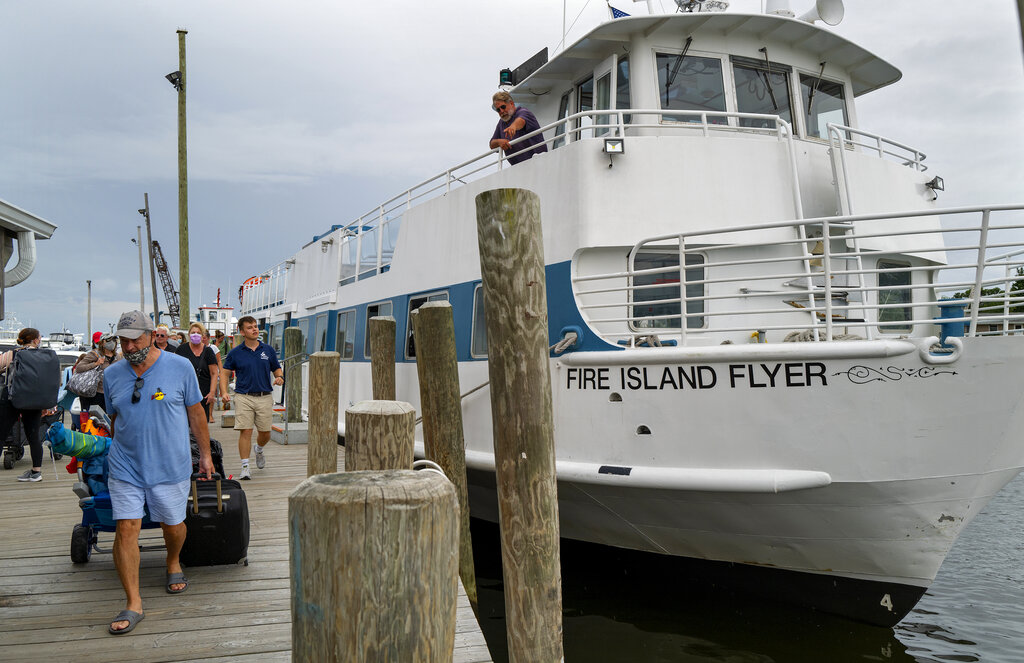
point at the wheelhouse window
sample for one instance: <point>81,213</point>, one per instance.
<point>415,303</point>
<point>825,103</point>
<point>656,294</point>
<point>380,309</point>
<point>344,341</point>
<point>622,98</point>
<point>603,101</point>
<point>584,103</point>
<point>691,83</point>
<point>563,112</point>
<point>478,346</point>
<point>894,290</point>
<point>276,334</point>
<point>762,87</point>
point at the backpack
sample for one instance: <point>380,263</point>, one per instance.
<point>33,379</point>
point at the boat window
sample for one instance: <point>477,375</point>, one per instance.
<point>563,112</point>
<point>691,83</point>
<point>415,303</point>
<point>344,342</point>
<point>656,300</point>
<point>478,346</point>
<point>894,290</point>
<point>380,309</point>
<point>622,98</point>
<point>320,333</point>
<point>304,328</point>
<point>602,101</point>
<point>825,103</point>
<point>762,87</point>
<point>276,333</point>
<point>584,103</point>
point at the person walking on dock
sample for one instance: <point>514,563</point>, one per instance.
<point>253,362</point>
<point>9,415</point>
<point>514,121</point>
<point>153,400</point>
<point>204,361</point>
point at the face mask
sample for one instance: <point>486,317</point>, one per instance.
<point>196,338</point>
<point>137,357</point>
<point>110,346</point>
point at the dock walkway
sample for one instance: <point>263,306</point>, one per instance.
<point>53,610</point>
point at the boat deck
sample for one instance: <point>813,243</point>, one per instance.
<point>52,609</point>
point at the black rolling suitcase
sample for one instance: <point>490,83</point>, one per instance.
<point>217,520</point>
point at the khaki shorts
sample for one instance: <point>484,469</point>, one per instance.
<point>253,412</point>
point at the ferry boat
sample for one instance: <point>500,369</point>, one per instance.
<point>781,356</point>
<point>217,317</point>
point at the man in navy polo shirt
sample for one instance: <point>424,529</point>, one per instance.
<point>514,121</point>
<point>255,364</point>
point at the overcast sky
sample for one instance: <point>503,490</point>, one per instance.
<point>309,113</point>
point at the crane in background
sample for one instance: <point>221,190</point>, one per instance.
<point>170,294</point>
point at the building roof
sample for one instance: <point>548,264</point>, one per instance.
<point>16,219</point>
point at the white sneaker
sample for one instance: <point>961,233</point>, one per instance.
<point>244,474</point>
<point>261,460</point>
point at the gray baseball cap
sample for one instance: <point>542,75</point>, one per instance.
<point>133,324</point>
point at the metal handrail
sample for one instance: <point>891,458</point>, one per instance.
<point>834,287</point>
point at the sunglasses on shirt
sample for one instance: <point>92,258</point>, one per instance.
<point>137,394</point>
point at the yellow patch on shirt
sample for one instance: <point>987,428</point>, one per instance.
<point>157,395</point>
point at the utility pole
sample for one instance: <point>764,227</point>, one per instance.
<point>182,185</point>
<point>142,281</point>
<point>88,313</point>
<point>152,270</point>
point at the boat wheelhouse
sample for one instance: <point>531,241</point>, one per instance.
<point>770,329</point>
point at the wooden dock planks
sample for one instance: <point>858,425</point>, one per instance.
<point>52,609</point>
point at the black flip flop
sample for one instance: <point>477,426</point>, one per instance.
<point>176,579</point>
<point>130,616</point>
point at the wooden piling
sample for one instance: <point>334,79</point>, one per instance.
<point>382,357</point>
<point>443,438</point>
<point>379,435</point>
<point>293,346</point>
<point>512,268</point>
<point>374,558</point>
<point>324,371</point>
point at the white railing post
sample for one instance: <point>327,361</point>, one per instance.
<point>979,273</point>
<point>683,308</point>
<point>826,258</point>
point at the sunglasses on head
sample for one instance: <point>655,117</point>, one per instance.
<point>137,394</point>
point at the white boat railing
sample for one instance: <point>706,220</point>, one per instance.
<point>877,275</point>
<point>597,124</point>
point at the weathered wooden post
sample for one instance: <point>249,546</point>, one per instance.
<point>379,435</point>
<point>324,371</point>
<point>382,357</point>
<point>444,443</point>
<point>293,346</point>
<point>374,562</point>
<point>512,268</point>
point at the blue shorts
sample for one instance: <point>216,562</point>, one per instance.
<point>167,502</point>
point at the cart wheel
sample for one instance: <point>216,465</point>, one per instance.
<point>81,544</point>
<point>8,460</point>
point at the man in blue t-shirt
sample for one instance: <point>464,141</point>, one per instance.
<point>153,400</point>
<point>255,365</point>
<point>512,122</point>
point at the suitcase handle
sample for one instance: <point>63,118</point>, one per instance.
<point>195,493</point>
